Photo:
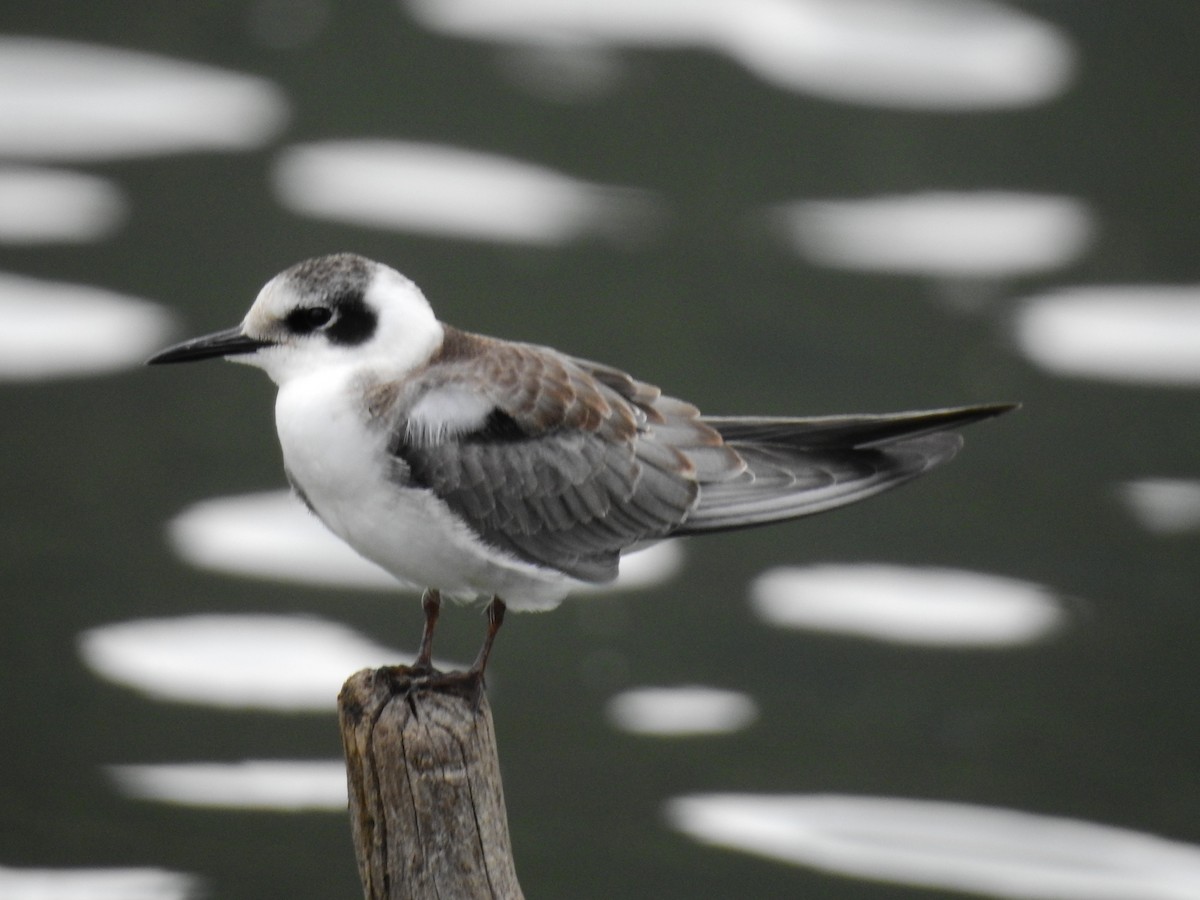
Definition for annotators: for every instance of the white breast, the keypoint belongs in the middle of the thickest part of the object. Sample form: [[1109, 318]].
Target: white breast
[[339, 459]]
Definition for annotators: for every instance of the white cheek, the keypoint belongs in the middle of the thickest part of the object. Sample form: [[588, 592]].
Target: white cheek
[[407, 330], [285, 362]]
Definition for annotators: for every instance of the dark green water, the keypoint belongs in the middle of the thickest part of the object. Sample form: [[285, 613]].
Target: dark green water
[[700, 294]]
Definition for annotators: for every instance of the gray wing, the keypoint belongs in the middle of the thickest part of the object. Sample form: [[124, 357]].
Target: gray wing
[[797, 467], [569, 464], [566, 463]]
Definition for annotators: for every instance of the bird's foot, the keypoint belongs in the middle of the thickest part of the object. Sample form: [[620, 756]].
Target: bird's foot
[[431, 604], [421, 675]]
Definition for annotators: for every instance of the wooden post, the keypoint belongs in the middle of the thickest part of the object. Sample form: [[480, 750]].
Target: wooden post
[[426, 801]]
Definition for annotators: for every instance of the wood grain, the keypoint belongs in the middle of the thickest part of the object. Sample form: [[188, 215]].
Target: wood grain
[[426, 800]]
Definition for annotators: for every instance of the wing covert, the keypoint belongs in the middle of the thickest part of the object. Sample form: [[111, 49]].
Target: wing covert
[[571, 462]]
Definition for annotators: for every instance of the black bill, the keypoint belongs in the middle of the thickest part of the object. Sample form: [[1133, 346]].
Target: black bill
[[231, 342]]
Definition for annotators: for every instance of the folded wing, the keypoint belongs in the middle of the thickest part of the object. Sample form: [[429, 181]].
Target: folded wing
[[566, 463]]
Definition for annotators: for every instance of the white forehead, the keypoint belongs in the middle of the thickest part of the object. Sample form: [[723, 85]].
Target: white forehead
[[272, 303]]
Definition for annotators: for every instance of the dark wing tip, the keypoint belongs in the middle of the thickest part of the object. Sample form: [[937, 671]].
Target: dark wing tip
[[863, 431], [956, 416], [906, 426]]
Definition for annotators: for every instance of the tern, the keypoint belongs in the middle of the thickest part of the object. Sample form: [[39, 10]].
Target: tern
[[472, 466]]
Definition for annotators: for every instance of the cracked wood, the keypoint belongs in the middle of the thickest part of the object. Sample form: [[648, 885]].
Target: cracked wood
[[426, 800]]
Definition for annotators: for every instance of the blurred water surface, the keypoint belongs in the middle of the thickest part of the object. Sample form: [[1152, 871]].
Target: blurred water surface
[[982, 684]]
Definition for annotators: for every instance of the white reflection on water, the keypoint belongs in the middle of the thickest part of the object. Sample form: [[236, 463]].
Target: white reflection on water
[[271, 535], [1163, 505], [949, 846], [563, 73], [437, 189], [926, 54], [44, 205], [978, 233], [926, 606], [279, 663], [96, 884], [1140, 334], [65, 100], [280, 785], [646, 568], [681, 711], [52, 329]]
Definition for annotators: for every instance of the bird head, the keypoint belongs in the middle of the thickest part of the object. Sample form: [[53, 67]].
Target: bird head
[[325, 312]]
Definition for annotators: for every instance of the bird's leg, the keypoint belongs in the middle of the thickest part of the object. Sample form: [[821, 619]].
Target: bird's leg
[[495, 617], [431, 604]]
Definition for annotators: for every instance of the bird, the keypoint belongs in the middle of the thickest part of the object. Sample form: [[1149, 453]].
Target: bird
[[481, 468]]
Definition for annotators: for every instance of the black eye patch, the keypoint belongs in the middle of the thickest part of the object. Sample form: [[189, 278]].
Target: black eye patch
[[307, 319], [355, 322]]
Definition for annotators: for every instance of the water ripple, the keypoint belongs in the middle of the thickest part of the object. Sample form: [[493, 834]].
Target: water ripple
[[443, 190], [277, 785], [96, 884], [681, 711], [925, 606], [52, 329], [278, 663], [45, 205], [1163, 505], [922, 54], [61, 100], [1139, 334], [942, 233], [946, 846]]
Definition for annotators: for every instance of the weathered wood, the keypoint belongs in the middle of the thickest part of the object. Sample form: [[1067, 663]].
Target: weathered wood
[[426, 800]]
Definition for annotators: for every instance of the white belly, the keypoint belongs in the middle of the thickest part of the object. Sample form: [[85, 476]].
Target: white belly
[[339, 461]]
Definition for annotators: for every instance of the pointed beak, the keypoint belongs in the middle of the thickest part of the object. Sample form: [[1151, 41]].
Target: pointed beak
[[231, 342]]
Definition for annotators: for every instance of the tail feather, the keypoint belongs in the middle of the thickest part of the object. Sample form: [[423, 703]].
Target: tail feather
[[850, 431], [797, 467]]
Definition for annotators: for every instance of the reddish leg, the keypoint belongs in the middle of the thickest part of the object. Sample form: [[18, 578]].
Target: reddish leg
[[431, 603], [495, 617]]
